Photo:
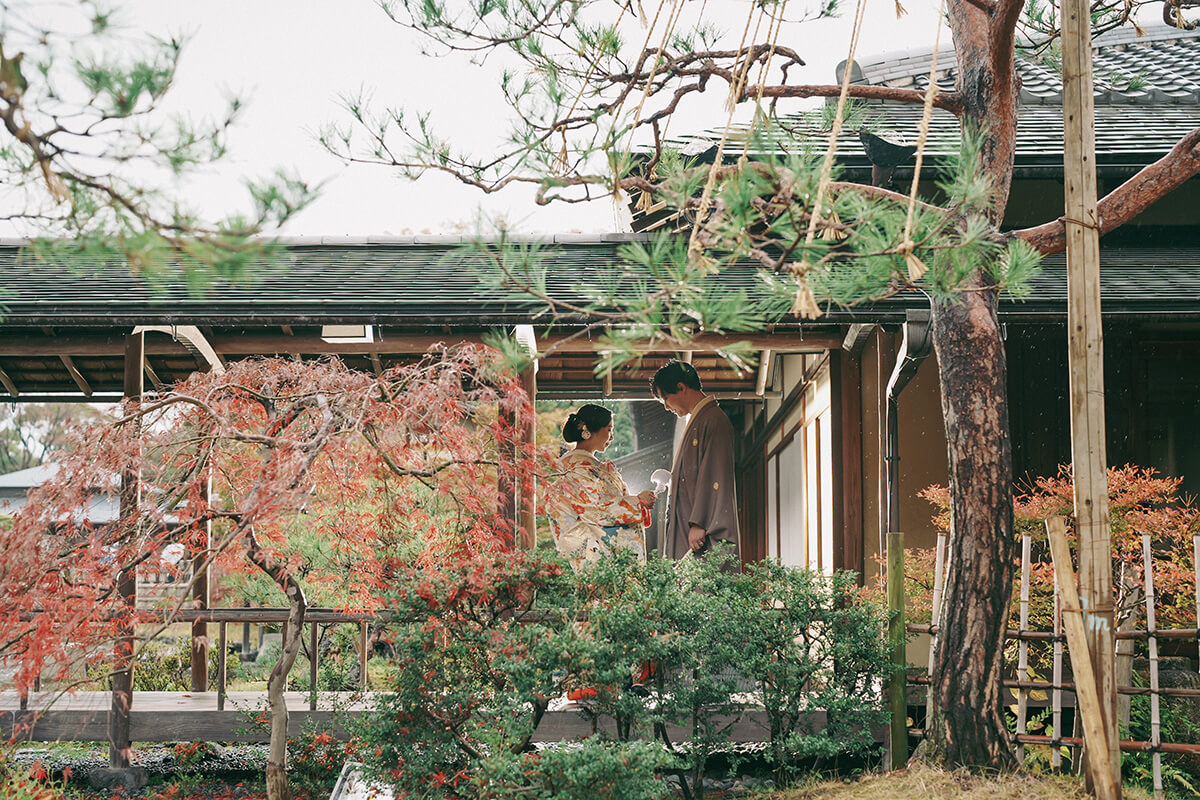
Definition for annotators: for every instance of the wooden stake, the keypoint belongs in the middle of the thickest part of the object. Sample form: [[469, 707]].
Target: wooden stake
[[1151, 627], [1057, 679], [1022, 645], [935, 611], [1095, 732], [1086, 363], [897, 696]]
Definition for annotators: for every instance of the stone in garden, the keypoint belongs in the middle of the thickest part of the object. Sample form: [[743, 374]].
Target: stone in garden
[[130, 778]]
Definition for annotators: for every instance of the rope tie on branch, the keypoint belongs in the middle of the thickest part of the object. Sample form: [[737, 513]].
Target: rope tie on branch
[[672, 20], [773, 31], [695, 253], [805, 304], [916, 267]]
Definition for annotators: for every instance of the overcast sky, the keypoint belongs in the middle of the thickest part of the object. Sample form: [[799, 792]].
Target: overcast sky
[[291, 59]]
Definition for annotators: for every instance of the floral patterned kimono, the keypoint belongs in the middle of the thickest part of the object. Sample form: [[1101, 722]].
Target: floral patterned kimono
[[592, 511]]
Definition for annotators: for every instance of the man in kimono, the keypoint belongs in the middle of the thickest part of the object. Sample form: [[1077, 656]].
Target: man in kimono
[[703, 504]]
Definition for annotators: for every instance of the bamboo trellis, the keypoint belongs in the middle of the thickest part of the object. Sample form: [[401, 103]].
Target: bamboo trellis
[[1023, 685]]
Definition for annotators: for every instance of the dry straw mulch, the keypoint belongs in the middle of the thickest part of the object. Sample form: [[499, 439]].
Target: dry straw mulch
[[921, 782]]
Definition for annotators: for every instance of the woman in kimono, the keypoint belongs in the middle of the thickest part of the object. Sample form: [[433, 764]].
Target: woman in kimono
[[590, 505]]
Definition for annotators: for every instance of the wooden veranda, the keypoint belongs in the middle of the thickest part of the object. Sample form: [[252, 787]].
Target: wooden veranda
[[95, 333]]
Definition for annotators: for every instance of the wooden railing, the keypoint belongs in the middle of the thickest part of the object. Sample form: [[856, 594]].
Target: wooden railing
[[313, 617]]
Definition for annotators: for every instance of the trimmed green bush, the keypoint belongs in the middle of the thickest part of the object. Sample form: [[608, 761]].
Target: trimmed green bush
[[494, 638]]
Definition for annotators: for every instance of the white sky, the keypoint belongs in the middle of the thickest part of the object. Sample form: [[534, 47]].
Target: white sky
[[291, 59]]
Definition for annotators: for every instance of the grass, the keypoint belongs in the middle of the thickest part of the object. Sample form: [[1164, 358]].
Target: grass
[[921, 782]]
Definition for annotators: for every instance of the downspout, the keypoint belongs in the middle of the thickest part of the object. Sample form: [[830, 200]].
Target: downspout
[[916, 345], [914, 348]]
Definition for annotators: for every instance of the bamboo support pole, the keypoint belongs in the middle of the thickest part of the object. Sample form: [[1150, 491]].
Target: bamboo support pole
[[1155, 719], [1196, 569], [1104, 785], [1056, 677], [939, 566], [1023, 644], [897, 689]]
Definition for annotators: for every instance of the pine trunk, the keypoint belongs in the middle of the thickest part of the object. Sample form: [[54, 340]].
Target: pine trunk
[[967, 726]]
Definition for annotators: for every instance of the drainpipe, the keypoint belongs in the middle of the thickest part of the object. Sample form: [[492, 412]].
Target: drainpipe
[[917, 344], [915, 347]]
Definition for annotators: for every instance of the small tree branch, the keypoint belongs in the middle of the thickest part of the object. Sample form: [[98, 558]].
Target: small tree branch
[[1129, 199]]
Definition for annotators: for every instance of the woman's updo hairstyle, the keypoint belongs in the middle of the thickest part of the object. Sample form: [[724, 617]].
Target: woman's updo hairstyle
[[586, 421]]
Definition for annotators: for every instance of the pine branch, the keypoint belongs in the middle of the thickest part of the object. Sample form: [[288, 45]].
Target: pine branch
[[1129, 199]]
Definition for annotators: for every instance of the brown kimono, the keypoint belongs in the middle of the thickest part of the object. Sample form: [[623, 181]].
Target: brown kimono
[[702, 491]]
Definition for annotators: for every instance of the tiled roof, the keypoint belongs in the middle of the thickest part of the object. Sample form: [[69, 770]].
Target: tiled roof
[[1160, 68], [1124, 137], [309, 284], [1147, 99], [442, 284]]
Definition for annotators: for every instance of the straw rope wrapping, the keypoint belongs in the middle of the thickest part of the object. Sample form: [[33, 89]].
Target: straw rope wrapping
[[672, 21], [694, 247], [773, 39], [805, 304], [916, 268]]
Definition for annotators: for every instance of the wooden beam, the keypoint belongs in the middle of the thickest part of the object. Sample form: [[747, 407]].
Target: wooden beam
[[153, 376], [856, 339], [251, 344], [1085, 359], [9, 386], [76, 375], [195, 340]]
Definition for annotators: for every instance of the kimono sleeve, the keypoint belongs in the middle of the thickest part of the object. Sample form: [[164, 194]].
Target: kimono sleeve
[[714, 507], [621, 508]]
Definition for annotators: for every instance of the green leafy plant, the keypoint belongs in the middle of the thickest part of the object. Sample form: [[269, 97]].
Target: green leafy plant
[[316, 758], [495, 637], [189, 755]]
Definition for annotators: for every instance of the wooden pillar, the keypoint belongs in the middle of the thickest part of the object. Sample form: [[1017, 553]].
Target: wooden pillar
[[527, 490], [507, 475], [122, 680], [200, 597], [845, 374], [1086, 366]]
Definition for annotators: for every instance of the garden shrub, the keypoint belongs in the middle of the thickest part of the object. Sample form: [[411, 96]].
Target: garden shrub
[[472, 681], [316, 758], [166, 666], [190, 755], [18, 782], [808, 642], [1179, 780]]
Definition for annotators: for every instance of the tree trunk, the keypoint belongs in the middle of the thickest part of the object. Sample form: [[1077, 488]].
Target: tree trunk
[[967, 719], [277, 781], [967, 724]]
